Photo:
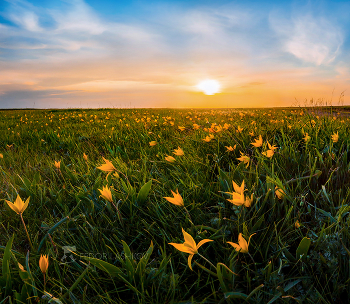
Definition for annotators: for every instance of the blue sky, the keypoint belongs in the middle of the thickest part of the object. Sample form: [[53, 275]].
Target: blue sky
[[153, 53]]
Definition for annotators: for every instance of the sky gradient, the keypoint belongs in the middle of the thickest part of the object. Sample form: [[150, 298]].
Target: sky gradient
[[75, 53]]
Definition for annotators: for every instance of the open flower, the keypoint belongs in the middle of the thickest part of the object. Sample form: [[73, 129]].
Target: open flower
[[189, 246], [106, 194], [335, 137], [230, 149], [107, 166], [178, 151], [258, 142], [57, 164], [44, 263], [238, 198], [273, 147], [181, 128], [18, 206], [307, 137], [170, 159], [176, 199], [242, 245], [244, 158], [268, 153]]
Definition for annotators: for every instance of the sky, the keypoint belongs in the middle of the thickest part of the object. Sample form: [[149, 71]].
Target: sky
[[116, 54]]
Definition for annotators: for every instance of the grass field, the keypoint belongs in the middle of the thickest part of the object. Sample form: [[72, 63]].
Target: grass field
[[97, 182]]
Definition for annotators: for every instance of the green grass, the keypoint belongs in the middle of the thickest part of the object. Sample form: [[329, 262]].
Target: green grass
[[122, 247]]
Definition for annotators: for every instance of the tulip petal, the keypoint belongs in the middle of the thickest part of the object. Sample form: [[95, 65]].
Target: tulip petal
[[242, 243], [182, 248], [189, 239], [25, 204], [12, 206], [203, 242], [189, 261], [235, 246]]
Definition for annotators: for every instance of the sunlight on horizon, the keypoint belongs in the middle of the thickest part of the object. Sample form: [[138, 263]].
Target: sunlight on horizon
[[209, 86]]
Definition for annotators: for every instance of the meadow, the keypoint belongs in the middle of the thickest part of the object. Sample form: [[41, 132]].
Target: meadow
[[174, 206]]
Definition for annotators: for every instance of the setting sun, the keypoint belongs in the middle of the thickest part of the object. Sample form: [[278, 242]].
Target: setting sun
[[209, 86]]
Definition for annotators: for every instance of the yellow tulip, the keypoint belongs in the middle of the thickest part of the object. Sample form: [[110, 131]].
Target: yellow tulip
[[230, 149], [44, 263], [170, 159], [189, 246], [244, 158], [279, 193], [57, 164], [238, 198], [258, 142], [207, 139], [307, 137], [178, 151], [182, 128], [268, 153], [1, 156], [239, 129], [85, 157], [106, 194], [152, 143], [273, 148], [242, 245], [18, 206], [335, 137], [176, 199], [107, 166]]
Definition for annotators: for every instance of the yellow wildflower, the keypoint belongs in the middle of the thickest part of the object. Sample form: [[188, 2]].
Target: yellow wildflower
[[268, 153], [238, 198], [244, 158], [44, 263], [189, 246], [18, 206], [178, 151], [279, 193], [170, 158], [85, 157], [335, 137], [176, 199], [107, 166], [258, 142], [57, 164], [307, 137], [242, 245], [152, 143], [230, 149], [106, 194]]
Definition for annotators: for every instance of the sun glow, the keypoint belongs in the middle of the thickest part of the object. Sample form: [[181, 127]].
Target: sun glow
[[209, 86]]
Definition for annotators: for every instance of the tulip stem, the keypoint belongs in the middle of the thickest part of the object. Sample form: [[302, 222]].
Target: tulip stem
[[44, 281], [25, 228], [189, 217], [207, 260]]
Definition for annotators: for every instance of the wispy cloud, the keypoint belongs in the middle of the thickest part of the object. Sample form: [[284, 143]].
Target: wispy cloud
[[312, 39]]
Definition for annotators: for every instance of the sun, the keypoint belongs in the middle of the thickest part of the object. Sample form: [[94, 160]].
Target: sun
[[209, 86]]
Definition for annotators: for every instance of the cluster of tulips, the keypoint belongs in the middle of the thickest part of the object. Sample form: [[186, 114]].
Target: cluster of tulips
[[19, 207]]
